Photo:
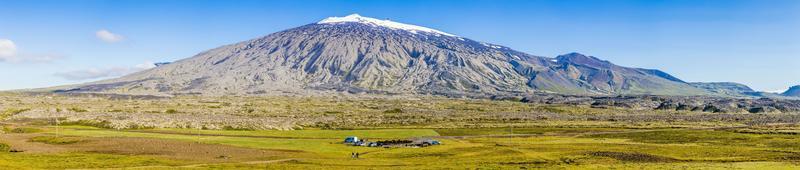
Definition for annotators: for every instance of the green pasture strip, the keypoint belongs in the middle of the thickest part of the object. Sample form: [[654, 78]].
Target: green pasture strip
[[310, 133], [556, 147], [691, 165], [322, 147], [511, 130], [711, 137], [686, 147]]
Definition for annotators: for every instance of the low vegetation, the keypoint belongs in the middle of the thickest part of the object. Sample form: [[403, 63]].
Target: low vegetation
[[307, 133], [466, 148], [353, 112], [4, 147], [25, 130], [56, 140], [11, 112]]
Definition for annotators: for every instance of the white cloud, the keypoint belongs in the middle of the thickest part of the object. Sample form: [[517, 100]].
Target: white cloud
[[144, 66], [776, 91], [108, 36], [8, 50], [8, 53], [95, 73], [38, 58]]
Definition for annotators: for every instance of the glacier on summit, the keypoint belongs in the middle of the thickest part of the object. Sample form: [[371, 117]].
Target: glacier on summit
[[384, 23]]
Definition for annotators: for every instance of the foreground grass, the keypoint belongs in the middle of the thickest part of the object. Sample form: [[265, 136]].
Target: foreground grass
[[789, 143], [78, 160], [323, 143], [577, 148], [476, 134]]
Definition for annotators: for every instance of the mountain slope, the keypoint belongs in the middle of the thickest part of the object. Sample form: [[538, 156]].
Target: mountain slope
[[726, 88], [793, 91], [358, 54]]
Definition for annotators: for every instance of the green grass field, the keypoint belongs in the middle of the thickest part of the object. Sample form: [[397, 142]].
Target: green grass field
[[475, 134], [492, 148]]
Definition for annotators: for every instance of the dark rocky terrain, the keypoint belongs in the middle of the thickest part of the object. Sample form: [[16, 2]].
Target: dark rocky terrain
[[708, 104]]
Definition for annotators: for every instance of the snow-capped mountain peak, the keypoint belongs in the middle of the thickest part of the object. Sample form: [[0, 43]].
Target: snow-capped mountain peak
[[384, 23]]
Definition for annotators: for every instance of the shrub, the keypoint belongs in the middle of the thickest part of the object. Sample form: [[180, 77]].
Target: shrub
[[395, 110], [25, 130], [75, 109], [11, 112], [333, 112], [237, 128], [171, 111], [14, 111], [92, 123], [56, 140], [4, 148]]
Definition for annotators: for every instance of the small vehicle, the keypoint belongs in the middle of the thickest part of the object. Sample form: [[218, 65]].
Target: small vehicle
[[373, 144], [435, 142], [351, 139], [359, 143]]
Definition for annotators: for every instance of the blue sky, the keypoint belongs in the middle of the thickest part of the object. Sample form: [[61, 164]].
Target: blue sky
[[757, 42]]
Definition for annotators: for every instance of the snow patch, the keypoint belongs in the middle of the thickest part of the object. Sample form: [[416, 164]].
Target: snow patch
[[776, 91], [491, 45], [383, 23]]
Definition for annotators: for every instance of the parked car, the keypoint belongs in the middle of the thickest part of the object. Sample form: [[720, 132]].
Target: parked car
[[359, 143], [435, 142], [374, 144], [351, 139], [423, 142]]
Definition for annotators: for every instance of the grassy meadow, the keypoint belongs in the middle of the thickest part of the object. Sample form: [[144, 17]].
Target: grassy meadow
[[475, 134]]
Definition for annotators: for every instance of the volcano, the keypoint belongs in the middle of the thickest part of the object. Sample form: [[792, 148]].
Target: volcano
[[356, 54]]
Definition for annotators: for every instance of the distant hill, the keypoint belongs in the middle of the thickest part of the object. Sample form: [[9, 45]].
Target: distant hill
[[356, 54], [726, 88], [793, 91]]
